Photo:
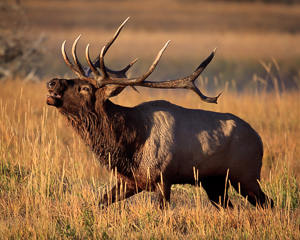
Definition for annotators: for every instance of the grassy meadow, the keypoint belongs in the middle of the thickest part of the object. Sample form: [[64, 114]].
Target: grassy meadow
[[50, 182]]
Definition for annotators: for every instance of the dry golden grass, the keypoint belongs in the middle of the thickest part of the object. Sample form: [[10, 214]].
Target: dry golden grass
[[50, 183]]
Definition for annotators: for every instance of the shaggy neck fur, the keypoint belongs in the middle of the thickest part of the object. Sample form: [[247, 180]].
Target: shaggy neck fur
[[112, 132]]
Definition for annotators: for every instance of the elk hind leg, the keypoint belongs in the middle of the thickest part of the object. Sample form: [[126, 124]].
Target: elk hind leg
[[216, 188], [254, 194]]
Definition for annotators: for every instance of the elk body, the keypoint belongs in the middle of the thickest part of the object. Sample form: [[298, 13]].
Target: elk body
[[157, 144]]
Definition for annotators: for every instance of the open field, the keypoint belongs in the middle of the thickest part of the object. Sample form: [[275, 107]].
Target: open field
[[50, 183]]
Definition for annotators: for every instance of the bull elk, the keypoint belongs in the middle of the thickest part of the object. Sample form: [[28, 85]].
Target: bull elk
[[158, 140]]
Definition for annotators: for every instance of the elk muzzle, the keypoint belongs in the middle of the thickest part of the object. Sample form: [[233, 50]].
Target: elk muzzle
[[54, 98]]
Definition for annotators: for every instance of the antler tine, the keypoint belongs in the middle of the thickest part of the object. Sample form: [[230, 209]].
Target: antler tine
[[88, 59], [102, 65], [153, 65], [189, 81], [76, 61], [96, 63], [124, 70], [67, 61], [205, 98], [73, 68], [106, 47], [204, 64], [196, 74]]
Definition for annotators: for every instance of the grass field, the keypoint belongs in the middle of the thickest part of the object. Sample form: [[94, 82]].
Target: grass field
[[50, 183]]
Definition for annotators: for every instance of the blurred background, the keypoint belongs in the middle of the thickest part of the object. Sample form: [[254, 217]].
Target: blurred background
[[257, 41]]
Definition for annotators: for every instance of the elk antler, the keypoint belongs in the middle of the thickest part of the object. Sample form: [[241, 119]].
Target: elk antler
[[102, 78], [79, 70]]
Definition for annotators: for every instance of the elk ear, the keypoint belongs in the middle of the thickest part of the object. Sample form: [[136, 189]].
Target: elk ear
[[112, 90]]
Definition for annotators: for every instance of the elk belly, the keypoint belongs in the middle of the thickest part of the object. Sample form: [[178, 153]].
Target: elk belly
[[214, 149], [205, 150]]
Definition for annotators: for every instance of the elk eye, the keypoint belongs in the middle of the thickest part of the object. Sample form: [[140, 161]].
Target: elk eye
[[87, 89], [52, 84]]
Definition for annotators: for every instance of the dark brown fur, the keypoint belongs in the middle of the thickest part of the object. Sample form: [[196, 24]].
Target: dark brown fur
[[157, 144], [122, 135]]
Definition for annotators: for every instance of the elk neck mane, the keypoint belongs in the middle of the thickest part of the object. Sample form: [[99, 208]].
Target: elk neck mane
[[113, 132]]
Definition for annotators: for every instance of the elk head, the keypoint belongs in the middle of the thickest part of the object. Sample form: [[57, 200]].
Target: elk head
[[98, 83]]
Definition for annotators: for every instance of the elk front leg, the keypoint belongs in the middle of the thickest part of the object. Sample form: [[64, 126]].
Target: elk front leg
[[117, 193]]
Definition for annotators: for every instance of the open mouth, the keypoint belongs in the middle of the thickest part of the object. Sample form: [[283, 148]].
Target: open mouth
[[53, 99]]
